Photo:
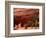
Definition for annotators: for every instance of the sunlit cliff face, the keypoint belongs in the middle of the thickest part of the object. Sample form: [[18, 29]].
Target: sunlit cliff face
[[24, 11], [23, 15]]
